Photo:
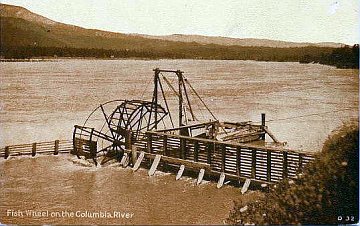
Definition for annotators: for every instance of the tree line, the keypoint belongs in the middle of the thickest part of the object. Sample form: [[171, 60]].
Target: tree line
[[345, 57]]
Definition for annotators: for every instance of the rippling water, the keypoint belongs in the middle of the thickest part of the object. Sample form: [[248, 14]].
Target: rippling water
[[41, 101], [60, 183]]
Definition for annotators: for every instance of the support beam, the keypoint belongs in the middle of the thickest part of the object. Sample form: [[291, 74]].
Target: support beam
[[271, 135]]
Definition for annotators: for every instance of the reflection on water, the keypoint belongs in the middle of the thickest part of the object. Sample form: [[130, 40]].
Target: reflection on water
[[56, 183]]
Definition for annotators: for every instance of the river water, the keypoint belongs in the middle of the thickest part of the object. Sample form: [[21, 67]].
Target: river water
[[41, 101]]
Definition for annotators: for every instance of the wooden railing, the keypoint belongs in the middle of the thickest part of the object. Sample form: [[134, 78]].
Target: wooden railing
[[53, 147], [266, 164]]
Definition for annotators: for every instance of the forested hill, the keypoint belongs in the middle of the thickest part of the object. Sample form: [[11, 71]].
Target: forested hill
[[26, 35]]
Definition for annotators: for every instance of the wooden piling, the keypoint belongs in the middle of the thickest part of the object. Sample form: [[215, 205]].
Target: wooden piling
[[7, 152], [56, 147], [33, 150]]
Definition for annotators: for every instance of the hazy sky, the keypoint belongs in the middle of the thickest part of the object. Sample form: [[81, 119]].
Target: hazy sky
[[288, 20]]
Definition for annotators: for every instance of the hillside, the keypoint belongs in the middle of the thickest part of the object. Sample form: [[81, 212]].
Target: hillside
[[73, 36], [240, 42], [26, 35]]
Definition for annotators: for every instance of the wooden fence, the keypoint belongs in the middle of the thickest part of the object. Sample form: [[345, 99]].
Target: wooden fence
[[52, 147], [263, 164]]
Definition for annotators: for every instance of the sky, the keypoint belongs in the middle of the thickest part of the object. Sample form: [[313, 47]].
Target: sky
[[287, 20]]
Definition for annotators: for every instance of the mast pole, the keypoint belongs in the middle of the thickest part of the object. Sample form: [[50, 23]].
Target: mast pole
[[180, 81], [155, 95]]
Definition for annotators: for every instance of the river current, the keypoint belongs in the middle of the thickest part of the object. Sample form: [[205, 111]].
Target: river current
[[41, 101]]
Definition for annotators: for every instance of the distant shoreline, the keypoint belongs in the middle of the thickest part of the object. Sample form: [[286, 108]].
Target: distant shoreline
[[52, 59]]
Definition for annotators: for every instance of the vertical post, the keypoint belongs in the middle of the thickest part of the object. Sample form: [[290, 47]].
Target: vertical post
[[223, 156], [209, 147], [165, 145], [128, 139], [180, 81], [263, 125], [133, 155], [91, 133], [182, 148], [238, 161], [196, 151], [149, 146], [253, 164], [301, 156], [93, 149], [268, 163], [33, 151], [7, 152], [156, 78], [149, 143], [56, 147], [285, 165]]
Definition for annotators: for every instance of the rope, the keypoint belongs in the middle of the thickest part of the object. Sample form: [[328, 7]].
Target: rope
[[207, 108], [201, 100], [307, 115], [146, 87]]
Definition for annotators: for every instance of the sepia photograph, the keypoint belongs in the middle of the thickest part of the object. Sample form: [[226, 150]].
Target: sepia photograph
[[178, 112]]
